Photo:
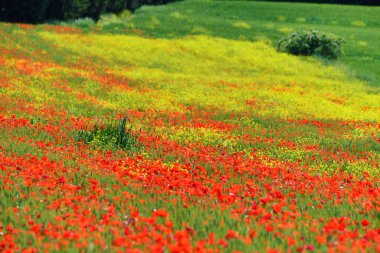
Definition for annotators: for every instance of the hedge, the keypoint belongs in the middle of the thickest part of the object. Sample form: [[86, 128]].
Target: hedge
[[37, 11]]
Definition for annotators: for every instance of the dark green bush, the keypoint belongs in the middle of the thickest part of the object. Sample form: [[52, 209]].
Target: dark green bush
[[110, 134], [37, 11], [23, 11], [311, 43], [67, 9]]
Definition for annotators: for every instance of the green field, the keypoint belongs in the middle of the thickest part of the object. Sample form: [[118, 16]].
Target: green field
[[252, 21], [181, 128]]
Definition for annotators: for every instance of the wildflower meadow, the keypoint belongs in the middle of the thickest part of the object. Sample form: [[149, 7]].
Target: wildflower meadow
[[132, 141]]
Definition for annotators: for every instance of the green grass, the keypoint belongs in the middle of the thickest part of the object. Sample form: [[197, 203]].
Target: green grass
[[251, 20], [109, 135]]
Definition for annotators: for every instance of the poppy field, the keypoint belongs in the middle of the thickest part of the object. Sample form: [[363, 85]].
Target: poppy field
[[128, 143]]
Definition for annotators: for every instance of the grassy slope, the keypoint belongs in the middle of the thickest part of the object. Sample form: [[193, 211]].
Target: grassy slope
[[192, 70], [206, 110], [251, 20]]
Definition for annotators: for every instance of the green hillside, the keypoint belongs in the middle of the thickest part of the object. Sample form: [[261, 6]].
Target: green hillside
[[252, 20]]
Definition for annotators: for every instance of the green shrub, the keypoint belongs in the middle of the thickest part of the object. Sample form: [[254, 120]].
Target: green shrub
[[67, 9], [109, 135], [311, 43], [23, 11], [37, 11]]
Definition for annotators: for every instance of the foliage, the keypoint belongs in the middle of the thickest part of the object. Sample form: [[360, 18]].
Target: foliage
[[111, 135], [23, 10], [36, 11], [311, 43]]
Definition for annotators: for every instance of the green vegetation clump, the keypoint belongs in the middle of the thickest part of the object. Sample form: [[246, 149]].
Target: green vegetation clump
[[111, 135], [311, 43], [37, 11]]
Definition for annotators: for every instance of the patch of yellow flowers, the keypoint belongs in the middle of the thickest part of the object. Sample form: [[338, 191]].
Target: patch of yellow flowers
[[197, 70]]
